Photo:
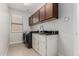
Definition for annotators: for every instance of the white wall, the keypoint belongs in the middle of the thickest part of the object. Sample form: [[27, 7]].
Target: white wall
[[4, 29], [17, 37], [65, 26]]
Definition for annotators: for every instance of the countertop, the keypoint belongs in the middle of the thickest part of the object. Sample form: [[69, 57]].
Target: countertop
[[46, 32]]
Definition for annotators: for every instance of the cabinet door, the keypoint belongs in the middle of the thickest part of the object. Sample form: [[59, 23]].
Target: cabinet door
[[36, 17], [42, 45], [52, 45], [51, 10], [31, 20], [42, 13], [35, 42]]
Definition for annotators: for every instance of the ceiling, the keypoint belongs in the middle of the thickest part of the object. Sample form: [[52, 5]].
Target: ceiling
[[27, 8]]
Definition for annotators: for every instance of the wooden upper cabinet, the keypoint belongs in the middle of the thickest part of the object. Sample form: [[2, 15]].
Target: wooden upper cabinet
[[51, 10], [36, 17], [31, 20], [46, 12], [42, 13]]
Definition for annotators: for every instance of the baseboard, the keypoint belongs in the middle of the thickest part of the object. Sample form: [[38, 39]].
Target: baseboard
[[59, 54], [76, 54], [15, 42]]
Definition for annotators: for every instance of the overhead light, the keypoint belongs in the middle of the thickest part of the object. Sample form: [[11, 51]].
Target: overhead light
[[26, 4]]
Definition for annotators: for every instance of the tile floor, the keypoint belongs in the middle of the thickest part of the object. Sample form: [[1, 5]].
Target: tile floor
[[21, 50]]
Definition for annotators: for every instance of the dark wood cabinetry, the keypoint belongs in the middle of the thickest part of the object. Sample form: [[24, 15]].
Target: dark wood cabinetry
[[36, 17], [51, 11], [42, 13], [46, 12], [55, 10]]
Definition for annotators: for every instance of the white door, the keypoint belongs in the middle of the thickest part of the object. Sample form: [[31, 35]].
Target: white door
[[76, 33], [35, 42], [52, 45], [42, 45], [76, 41]]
